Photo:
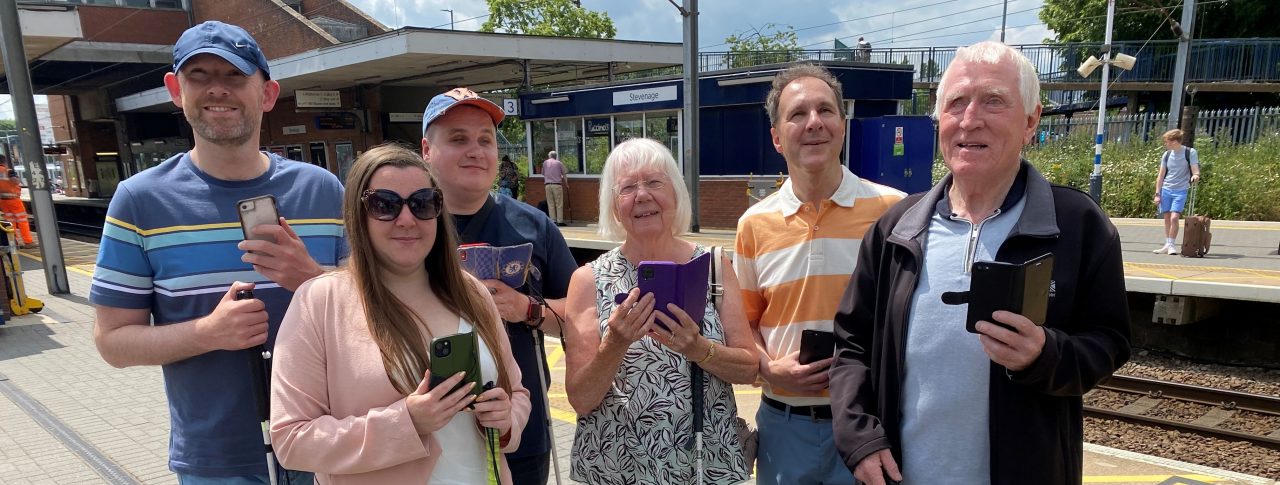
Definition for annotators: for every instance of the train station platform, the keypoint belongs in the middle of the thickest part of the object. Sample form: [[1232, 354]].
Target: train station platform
[[68, 417]]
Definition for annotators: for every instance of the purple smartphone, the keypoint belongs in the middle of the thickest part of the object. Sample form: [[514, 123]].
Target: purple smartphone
[[682, 284]]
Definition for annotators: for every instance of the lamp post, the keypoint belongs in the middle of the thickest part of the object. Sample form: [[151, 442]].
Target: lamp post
[[1122, 61], [689, 140], [450, 16]]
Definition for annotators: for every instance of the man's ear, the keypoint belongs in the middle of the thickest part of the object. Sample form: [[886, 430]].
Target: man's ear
[[777, 143], [175, 89], [426, 149], [270, 93], [1033, 124]]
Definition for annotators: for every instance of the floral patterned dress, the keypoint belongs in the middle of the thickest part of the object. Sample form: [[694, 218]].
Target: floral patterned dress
[[642, 432]]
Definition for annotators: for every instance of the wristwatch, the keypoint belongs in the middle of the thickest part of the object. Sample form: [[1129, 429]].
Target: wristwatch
[[533, 317]]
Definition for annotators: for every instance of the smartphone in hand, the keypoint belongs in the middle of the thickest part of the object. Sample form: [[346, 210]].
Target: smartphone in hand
[[256, 212], [452, 354], [816, 345]]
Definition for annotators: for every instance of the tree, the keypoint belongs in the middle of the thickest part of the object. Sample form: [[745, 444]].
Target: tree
[[558, 18], [756, 47], [1137, 20], [8, 125]]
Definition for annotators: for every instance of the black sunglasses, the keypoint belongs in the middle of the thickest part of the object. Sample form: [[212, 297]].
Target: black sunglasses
[[385, 205]]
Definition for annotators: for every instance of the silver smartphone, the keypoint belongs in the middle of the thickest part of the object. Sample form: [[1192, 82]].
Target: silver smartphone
[[256, 212]]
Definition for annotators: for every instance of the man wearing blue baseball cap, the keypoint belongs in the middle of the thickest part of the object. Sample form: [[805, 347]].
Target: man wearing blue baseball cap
[[460, 142], [174, 253]]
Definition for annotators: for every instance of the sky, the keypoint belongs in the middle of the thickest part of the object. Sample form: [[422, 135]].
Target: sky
[[893, 23]]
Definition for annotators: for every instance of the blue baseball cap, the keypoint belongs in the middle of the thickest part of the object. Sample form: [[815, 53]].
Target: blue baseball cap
[[443, 102], [227, 41]]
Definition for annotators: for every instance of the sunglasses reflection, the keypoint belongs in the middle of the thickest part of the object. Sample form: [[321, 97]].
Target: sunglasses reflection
[[385, 205]]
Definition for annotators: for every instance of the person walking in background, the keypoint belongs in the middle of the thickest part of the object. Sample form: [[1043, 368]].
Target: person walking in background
[[1179, 170], [629, 366], [794, 253], [919, 399], [459, 143], [351, 397], [173, 252], [11, 204], [508, 178], [556, 182], [864, 50]]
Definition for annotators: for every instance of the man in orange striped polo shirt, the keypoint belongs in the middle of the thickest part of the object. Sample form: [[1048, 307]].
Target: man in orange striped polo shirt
[[794, 254]]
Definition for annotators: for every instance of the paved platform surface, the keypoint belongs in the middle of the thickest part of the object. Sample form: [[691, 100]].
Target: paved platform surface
[[68, 417]]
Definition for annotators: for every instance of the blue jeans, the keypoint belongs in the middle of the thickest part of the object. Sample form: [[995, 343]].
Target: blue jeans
[[290, 477], [797, 450]]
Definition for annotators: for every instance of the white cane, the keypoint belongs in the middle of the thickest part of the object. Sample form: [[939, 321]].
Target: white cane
[[546, 400]]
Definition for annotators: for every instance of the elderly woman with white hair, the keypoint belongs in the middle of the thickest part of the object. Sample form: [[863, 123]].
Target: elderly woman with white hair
[[629, 366]]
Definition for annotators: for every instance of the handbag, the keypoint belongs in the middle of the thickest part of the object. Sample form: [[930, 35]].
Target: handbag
[[748, 436]]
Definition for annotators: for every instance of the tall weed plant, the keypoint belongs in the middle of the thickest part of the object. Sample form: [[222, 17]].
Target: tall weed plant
[[1238, 182]]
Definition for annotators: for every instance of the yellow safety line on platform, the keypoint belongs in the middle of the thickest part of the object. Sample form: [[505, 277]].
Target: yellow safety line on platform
[[1136, 267], [75, 268], [1147, 478]]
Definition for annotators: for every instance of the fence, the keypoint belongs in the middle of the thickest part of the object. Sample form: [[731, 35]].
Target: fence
[[1210, 59], [1226, 126]]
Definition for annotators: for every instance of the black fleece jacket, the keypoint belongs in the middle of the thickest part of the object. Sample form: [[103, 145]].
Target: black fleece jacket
[[1036, 414]]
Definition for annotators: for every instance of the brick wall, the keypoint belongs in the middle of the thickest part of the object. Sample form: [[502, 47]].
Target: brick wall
[[136, 25], [279, 30], [285, 114], [720, 201]]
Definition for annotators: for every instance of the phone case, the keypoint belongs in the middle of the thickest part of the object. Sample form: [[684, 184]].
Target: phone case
[[683, 284], [816, 345], [255, 212], [510, 264], [1018, 288], [452, 354]]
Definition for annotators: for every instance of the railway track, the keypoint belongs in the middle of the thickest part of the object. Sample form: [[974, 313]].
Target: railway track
[[1221, 407]]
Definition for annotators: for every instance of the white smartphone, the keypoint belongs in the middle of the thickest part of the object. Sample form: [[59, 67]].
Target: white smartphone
[[256, 212]]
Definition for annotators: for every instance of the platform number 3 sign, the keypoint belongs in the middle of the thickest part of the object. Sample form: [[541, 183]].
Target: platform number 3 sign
[[511, 107]]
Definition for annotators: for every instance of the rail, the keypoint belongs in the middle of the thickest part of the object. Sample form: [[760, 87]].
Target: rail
[[1223, 406]]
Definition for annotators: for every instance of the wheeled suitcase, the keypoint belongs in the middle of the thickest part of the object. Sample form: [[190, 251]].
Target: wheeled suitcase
[[1196, 236]]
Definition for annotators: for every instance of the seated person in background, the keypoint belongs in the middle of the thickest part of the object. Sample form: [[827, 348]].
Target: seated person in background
[[350, 398], [628, 378]]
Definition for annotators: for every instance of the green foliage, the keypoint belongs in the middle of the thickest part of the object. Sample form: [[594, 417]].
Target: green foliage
[[758, 47], [1238, 182], [557, 18], [1085, 20], [8, 125]]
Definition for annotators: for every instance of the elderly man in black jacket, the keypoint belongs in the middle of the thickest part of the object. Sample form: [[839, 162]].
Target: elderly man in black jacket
[[915, 396]]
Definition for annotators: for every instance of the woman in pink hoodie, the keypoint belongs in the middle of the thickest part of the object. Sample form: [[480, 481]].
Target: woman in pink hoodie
[[350, 393]]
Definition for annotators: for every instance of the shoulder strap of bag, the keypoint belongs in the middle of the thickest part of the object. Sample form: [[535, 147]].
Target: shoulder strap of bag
[[1165, 157], [714, 276], [1186, 153]]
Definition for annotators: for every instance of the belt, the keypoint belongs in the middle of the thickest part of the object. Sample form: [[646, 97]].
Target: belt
[[551, 183], [813, 412]]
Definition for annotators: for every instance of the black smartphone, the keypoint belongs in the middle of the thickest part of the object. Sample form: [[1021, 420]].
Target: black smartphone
[[816, 345], [1018, 288], [452, 354]]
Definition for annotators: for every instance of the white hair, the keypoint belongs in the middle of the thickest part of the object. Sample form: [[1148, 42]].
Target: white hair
[[640, 154], [551, 154], [992, 52]]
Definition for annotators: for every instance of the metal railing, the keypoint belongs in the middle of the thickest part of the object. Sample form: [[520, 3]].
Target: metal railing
[[1225, 126], [1211, 60]]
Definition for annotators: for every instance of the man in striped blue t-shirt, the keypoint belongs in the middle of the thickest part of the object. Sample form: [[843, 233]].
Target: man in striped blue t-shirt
[[173, 252]]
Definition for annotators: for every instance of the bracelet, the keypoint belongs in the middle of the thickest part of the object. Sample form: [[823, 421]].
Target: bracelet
[[711, 352]]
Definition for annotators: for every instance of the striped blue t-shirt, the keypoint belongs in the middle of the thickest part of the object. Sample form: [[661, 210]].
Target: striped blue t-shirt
[[169, 245]]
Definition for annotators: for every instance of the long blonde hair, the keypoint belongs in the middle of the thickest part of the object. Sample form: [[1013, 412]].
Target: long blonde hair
[[398, 331]]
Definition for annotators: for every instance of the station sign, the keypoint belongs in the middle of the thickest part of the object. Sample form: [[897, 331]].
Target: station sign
[[647, 95], [317, 99], [404, 117], [510, 107], [597, 126], [295, 130]]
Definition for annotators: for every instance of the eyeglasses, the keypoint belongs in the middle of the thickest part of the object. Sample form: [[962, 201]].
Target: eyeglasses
[[649, 186], [385, 205]]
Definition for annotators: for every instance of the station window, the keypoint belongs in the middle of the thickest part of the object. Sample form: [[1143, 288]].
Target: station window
[[628, 126], [597, 143], [664, 127], [544, 140], [569, 143]]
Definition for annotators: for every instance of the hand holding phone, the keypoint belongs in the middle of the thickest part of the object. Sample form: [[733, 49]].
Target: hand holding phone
[[1018, 288], [452, 354]]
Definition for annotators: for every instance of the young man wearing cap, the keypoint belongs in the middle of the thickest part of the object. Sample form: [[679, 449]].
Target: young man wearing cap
[[173, 252], [460, 142]]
